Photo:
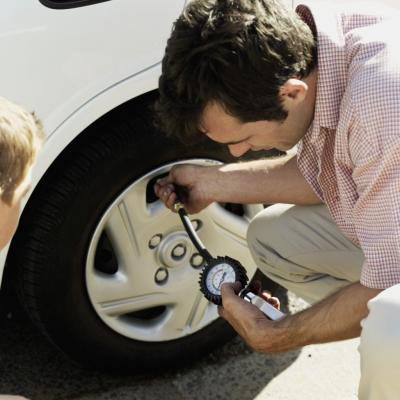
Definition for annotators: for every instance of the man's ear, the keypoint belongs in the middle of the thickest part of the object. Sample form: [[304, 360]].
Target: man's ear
[[293, 91]]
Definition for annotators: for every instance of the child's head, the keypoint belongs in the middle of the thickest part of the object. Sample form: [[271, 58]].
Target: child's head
[[21, 135]]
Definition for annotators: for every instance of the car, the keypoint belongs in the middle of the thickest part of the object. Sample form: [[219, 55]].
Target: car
[[103, 269]]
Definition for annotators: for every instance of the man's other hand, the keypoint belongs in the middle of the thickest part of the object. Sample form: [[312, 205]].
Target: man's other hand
[[247, 320]]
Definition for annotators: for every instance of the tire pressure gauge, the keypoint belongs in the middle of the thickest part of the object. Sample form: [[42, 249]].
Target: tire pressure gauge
[[219, 270]]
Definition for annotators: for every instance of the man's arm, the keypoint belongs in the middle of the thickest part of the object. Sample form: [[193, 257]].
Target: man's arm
[[335, 318], [265, 181]]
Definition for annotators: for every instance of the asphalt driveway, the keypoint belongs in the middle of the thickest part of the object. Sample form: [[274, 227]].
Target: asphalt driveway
[[30, 366]]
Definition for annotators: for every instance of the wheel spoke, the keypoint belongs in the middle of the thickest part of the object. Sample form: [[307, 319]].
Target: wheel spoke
[[222, 228], [113, 295], [226, 223], [140, 214], [135, 199], [224, 233], [132, 304], [122, 235], [188, 316], [107, 288], [131, 250], [148, 216], [200, 309]]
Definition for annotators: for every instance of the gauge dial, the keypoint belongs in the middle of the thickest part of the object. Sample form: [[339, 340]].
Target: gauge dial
[[218, 271], [219, 274]]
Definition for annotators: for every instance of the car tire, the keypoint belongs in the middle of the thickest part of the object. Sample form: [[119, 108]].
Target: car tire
[[50, 250]]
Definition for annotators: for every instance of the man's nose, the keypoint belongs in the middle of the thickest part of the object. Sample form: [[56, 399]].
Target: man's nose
[[238, 149]]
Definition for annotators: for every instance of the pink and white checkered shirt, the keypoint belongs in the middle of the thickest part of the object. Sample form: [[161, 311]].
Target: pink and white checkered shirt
[[351, 153]]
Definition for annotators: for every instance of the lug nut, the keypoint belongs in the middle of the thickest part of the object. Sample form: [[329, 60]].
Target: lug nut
[[155, 241], [196, 260], [179, 251], [161, 276]]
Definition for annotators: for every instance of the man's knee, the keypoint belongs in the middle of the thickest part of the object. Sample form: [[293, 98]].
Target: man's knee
[[380, 337], [265, 227], [264, 239]]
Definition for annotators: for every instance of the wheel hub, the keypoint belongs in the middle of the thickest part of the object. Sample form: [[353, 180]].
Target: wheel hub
[[175, 250]]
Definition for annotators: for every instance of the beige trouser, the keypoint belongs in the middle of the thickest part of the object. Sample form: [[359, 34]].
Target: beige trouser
[[302, 249]]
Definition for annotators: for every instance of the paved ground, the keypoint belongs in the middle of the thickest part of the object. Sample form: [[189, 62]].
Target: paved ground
[[31, 367]]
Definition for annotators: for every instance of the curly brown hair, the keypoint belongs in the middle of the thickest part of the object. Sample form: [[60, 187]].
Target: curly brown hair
[[237, 53]]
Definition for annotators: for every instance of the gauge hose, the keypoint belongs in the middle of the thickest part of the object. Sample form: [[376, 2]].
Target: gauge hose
[[180, 209]]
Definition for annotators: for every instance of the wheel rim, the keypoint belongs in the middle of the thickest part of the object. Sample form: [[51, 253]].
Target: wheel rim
[[142, 271]]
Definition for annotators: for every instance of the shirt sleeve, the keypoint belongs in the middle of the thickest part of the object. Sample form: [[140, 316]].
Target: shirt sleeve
[[376, 214], [375, 153]]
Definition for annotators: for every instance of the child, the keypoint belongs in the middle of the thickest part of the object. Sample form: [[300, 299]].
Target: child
[[21, 136]]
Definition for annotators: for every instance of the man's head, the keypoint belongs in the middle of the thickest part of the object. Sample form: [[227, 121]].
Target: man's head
[[235, 54], [21, 136]]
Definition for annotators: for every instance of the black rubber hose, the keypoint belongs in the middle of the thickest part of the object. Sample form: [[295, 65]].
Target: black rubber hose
[[193, 235]]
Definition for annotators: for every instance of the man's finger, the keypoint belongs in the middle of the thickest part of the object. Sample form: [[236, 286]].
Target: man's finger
[[265, 295], [233, 288], [160, 187], [255, 286], [274, 301], [227, 289], [229, 294], [171, 200]]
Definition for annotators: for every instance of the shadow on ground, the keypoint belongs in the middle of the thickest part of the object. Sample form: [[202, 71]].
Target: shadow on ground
[[32, 367]]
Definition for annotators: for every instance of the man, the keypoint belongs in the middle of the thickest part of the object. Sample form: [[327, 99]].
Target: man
[[253, 75]]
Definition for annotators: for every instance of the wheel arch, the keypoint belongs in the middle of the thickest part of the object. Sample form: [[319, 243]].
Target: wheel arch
[[91, 112]]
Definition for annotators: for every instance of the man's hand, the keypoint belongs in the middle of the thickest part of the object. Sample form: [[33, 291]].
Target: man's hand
[[195, 179], [247, 320], [335, 318]]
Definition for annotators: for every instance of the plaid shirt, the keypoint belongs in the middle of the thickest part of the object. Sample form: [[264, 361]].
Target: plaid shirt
[[351, 153]]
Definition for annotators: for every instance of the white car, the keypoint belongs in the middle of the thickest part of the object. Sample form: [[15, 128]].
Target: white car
[[100, 265]]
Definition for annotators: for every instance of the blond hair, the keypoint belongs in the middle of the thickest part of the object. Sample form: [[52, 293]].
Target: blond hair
[[21, 136]]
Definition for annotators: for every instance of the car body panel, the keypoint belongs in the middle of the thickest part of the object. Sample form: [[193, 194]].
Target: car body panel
[[60, 61]]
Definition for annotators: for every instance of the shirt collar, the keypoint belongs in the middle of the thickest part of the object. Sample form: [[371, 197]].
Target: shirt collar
[[331, 67]]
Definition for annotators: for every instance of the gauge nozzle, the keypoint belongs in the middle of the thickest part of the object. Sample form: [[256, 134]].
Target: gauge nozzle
[[178, 205], [270, 311]]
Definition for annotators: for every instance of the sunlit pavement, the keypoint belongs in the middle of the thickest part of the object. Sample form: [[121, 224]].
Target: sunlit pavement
[[328, 372], [29, 366]]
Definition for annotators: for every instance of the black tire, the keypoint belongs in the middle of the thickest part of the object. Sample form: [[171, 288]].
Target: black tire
[[50, 248]]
